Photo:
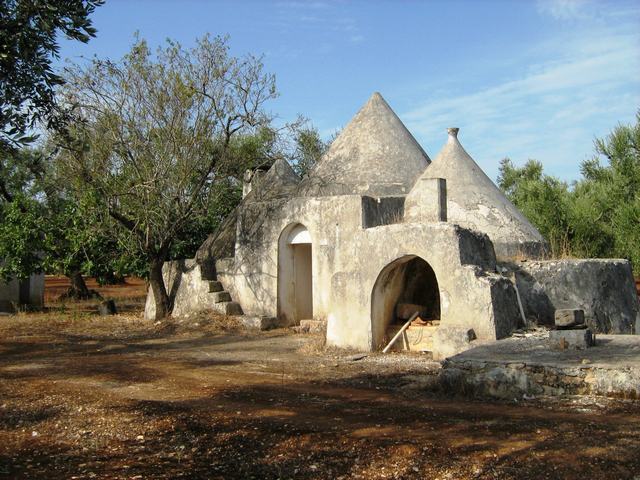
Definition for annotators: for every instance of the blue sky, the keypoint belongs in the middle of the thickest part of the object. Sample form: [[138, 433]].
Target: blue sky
[[523, 79]]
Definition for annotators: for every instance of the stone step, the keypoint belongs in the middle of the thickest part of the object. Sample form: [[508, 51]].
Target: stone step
[[219, 297], [215, 286], [312, 326], [228, 308], [260, 322]]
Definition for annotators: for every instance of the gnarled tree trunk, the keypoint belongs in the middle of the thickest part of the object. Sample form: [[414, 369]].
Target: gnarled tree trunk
[[78, 287], [163, 306]]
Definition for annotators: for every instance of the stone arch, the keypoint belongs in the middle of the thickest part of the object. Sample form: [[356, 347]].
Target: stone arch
[[295, 274], [407, 280]]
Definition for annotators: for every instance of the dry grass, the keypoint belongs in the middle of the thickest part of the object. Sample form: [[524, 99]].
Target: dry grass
[[132, 289], [204, 321], [72, 322], [317, 344]]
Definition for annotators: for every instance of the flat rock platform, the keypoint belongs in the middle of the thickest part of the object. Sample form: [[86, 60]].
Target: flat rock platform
[[528, 366]]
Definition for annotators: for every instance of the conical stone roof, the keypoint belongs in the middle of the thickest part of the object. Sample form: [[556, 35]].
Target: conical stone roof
[[374, 155], [475, 202]]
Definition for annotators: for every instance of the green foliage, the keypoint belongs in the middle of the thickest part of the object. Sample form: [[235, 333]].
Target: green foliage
[[78, 238], [19, 170], [541, 198], [157, 141], [28, 42], [156, 133], [309, 147], [611, 192], [199, 227], [21, 238], [44, 228], [600, 215], [21, 225]]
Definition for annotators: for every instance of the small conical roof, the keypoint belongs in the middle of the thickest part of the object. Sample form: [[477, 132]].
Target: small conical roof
[[374, 155], [277, 185], [475, 202]]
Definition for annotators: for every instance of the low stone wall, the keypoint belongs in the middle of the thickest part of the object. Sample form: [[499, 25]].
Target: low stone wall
[[515, 380], [10, 297], [517, 367], [603, 288], [186, 287]]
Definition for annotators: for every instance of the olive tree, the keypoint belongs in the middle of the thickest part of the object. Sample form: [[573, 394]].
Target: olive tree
[[29, 31], [152, 136]]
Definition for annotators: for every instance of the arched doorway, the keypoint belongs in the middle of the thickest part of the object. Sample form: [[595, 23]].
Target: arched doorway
[[295, 275], [403, 287]]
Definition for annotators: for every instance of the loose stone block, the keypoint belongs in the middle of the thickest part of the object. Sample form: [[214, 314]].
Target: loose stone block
[[571, 339], [427, 201], [108, 307], [569, 317]]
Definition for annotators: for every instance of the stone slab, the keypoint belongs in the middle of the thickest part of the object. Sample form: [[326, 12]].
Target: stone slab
[[259, 322], [514, 367], [571, 339], [610, 351]]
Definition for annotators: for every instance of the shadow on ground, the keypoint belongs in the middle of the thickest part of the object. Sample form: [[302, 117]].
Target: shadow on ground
[[253, 406]]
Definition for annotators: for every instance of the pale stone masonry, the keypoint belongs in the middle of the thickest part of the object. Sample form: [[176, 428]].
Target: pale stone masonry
[[374, 229], [17, 294]]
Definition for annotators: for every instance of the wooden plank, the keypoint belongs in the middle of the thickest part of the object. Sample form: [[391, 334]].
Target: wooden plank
[[397, 335]]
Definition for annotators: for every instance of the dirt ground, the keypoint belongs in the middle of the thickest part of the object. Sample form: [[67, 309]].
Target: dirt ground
[[84, 396], [132, 289]]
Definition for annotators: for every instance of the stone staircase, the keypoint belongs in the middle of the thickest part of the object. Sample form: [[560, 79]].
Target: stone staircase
[[223, 304], [221, 300]]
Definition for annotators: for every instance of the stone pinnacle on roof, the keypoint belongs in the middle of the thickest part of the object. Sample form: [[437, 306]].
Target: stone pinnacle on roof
[[374, 155], [475, 202]]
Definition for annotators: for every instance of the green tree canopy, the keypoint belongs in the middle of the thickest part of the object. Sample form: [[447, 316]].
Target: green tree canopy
[[541, 198], [599, 216], [28, 41], [154, 137]]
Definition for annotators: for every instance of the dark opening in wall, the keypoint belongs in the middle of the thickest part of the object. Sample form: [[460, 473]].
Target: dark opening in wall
[[420, 288], [405, 286]]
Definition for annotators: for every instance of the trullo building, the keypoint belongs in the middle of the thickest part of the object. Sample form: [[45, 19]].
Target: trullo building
[[378, 231]]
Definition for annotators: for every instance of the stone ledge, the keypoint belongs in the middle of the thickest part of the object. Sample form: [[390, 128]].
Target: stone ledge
[[259, 322], [511, 369], [509, 381]]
